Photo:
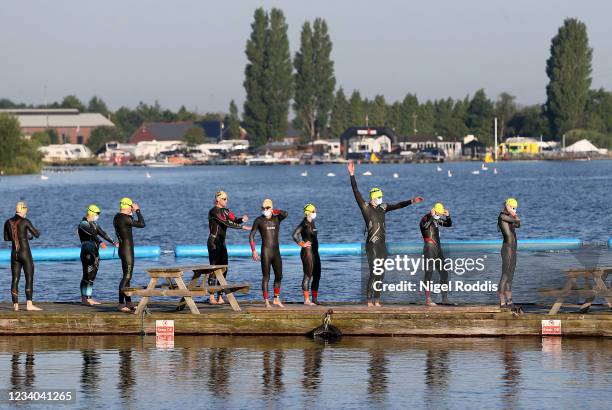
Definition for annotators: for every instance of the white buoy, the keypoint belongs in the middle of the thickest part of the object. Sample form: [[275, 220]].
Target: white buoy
[[482, 166], [148, 175], [367, 173], [331, 174], [438, 168], [396, 175], [495, 171], [304, 174], [476, 172], [450, 174], [44, 177]]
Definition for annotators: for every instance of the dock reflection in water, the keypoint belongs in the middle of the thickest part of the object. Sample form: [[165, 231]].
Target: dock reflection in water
[[238, 372]]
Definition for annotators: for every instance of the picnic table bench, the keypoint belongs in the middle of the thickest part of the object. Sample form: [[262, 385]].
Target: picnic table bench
[[595, 286], [175, 286]]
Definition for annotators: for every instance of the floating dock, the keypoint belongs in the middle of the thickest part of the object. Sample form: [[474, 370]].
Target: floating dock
[[297, 319]]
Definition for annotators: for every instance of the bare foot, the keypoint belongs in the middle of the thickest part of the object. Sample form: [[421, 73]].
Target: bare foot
[[277, 302], [220, 301], [212, 300], [370, 304], [430, 303], [267, 303], [94, 302], [130, 306], [15, 307], [124, 309], [307, 302], [377, 304], [30, 306]]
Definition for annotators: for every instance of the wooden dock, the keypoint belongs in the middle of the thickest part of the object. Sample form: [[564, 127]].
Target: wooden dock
[[297, 319]]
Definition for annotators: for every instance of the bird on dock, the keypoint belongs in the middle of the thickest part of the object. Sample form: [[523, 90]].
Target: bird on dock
[[331, 174], [438, 168], [304, 174], [450, 174]]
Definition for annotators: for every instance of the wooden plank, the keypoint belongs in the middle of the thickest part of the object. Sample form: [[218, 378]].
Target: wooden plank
[[230, 296], [569, 284], [165, 273], [143, 302], [188, 299]]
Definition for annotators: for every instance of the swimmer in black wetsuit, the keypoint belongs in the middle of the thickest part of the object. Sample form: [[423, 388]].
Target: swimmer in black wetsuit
[[219, 219], [89, 232], [19, 230], [268, 226], [432, 248], [507, 221], [374, 216], [123, 223], [305, 235]]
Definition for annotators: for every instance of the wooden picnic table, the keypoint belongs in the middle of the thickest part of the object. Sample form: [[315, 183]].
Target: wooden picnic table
[[594, 286], [175, 286]]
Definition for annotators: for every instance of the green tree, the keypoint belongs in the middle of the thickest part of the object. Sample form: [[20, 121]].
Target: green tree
[[183, 114], [232, 122], [479, 118], [278, 76], [569, 71], [314, 79], [377, 111], [17, 156], [339, 120], [101, 135], [529, 121], [356, 110], [505, 107], [98, 105], [408, 114], [394, 114], [255, 110], [41, 138], [425, 121], [195, 136], [71, 101], [598, 112]]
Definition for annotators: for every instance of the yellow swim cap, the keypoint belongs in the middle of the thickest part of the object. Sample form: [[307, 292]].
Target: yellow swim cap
[[439, 208], [21, 207], [308, 208], [376, 193], [267, 203], [93, 210], [512, 202], [125, 203]]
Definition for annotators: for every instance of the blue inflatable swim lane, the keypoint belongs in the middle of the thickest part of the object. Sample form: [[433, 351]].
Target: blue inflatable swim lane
[[355, 248], [71, 254]]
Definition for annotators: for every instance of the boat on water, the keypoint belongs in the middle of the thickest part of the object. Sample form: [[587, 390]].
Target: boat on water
[[271, 160], [162, 163]]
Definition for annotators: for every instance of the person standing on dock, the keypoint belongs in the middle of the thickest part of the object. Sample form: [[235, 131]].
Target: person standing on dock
[[123, 223], [90, 233], [432, 248], [374, 216], [219, 219], [268, 225], [305, 235], [19, 230], [507, 221]]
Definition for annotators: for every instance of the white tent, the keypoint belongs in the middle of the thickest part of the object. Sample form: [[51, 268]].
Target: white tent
[[583, 145]]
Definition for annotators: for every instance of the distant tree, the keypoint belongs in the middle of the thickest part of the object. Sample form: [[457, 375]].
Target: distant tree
[[127, 120], [409, 108], [479, 118], [569, 71], [5, 103], [393, 115], [232, 122], [17, 156], [598, 112], [339, 120], [425, 122], [314, 79], [98, 105], [195, 136], [356, 110], [185, 115], [377, 111], [529, 121], [505, 107], [101, 135], [41, 138], [71, 101]]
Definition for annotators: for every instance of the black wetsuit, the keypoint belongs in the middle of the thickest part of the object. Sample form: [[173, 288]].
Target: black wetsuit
[[123, 227], [432, 249], [270, 250], [219, 219], [376, 248], [90, 257], [311, 262], [506, 223], [19, 230]]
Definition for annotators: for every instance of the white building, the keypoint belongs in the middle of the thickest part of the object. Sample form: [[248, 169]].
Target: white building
[[370, 144], [151, 149], [451, 149], [331, 147], [65, 152]]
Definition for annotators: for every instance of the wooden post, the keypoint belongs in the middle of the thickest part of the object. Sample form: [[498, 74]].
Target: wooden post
[[145, 299]]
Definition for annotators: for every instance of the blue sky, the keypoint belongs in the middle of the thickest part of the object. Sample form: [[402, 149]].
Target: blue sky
[[192, 52]]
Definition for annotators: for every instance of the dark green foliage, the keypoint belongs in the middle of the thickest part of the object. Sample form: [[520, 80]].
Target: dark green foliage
[[17, 156], [71, 101], [101, 135], [98, 105], [195, 136], [232, 122], [340, 115]]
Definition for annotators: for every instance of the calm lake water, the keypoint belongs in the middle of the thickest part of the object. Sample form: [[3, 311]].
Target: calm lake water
[[293, 372], [556, 199]]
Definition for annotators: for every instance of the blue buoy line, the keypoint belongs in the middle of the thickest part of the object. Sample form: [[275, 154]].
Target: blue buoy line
[[69, 254]]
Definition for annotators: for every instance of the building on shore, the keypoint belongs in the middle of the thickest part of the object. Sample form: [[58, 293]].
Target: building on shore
[[431, 144], [65, 152], [360, 142], [71, 126], [519, 145], [326, 147], [161, 131]]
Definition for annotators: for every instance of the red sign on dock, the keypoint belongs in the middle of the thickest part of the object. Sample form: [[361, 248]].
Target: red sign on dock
[[551, 327], [164, 334]]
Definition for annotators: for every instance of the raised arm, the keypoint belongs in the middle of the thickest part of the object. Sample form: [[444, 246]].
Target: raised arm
[[281, 214], [360, 201], [138, 223], [399, 205], [510, 219], [35, 233], [447, 222], [227, 218]]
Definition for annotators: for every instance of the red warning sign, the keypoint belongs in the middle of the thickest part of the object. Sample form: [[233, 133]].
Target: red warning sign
[[164, 328], [551, 327]]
